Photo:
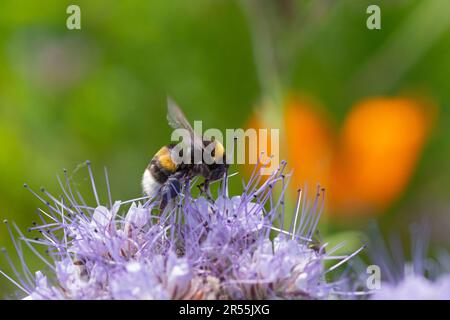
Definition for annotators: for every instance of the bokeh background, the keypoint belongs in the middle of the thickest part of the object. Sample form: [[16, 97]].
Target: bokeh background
[[365, 113]]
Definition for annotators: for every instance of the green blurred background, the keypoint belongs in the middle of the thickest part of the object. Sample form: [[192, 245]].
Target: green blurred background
[[99, 93]]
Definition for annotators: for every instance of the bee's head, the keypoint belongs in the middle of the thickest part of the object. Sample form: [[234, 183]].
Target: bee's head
[[219, 151], [219, 166]]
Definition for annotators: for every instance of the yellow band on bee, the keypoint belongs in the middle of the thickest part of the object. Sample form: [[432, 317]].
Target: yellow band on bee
[[165, 160]]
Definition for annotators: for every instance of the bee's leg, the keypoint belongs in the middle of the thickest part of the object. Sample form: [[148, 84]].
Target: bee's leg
[[162, 204], [170, 190], [200, 188], [204, 189], [206, 186]]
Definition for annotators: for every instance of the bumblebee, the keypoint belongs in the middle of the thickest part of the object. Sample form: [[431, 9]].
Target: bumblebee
[[164, 177]]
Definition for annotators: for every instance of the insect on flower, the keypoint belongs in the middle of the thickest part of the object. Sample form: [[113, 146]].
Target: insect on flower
[[164, 176], [238, 247]]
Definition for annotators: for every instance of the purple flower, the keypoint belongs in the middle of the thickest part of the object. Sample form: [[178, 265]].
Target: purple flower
[[197, 248], [71, 282], [413, 287], [163, 277], [282, 268], [422, 278]]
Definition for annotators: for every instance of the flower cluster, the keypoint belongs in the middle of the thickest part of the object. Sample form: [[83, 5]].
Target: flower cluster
[[203, 247], [422, 278]]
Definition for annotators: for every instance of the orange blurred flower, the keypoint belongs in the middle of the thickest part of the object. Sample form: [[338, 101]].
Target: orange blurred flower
[[263, 155], [309, 142], [379, 146], [368, 164]]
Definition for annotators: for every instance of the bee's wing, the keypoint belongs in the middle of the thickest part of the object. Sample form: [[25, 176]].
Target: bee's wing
[[176, 117], [177, 120]]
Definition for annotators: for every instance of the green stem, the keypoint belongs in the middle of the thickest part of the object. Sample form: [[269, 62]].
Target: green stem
[[264, 50]]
